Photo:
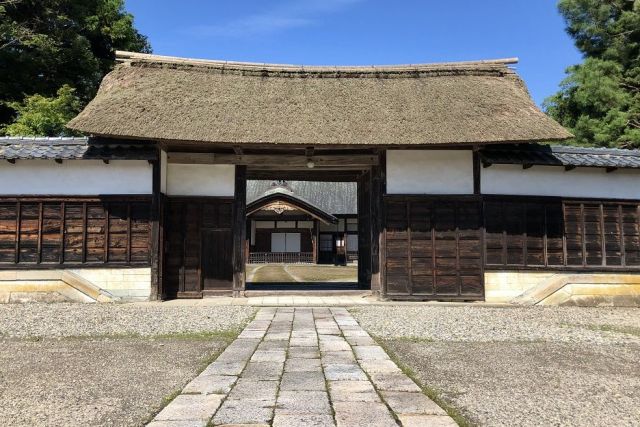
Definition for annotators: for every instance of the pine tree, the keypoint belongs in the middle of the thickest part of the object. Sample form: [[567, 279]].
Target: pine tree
[[599, 101]]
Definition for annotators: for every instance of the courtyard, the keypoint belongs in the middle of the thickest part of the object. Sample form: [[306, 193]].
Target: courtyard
[[120, 364]]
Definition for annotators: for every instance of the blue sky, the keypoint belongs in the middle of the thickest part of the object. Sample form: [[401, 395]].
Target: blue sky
[[364, 32]]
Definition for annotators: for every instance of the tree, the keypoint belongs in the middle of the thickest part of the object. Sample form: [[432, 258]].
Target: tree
[[47, 44], [38, 115], [600, 98]]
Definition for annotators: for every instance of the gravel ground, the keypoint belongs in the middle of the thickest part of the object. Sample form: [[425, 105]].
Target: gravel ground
[[538, 366], [72, 320], [103, 364], [95, 382]]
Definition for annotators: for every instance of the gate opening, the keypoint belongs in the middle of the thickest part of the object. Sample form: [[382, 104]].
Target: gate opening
[[301, 235]]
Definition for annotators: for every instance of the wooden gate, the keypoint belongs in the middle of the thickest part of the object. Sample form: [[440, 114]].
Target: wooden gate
[[198, 247], [433, 248]]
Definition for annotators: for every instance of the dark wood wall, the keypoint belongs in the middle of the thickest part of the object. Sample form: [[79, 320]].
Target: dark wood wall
[[433, 248], [562, 234], [80, 231], [439, 247], [198, 246]]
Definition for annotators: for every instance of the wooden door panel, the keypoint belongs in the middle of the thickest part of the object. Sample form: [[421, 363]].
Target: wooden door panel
[[198, 246], [217, 272], [434, 248]]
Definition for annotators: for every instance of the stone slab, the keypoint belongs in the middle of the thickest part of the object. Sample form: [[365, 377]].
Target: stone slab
[[302, 365], [427, 421], [394, 382], [302, 381], [363, 414], [190, 407], [300, 420], [344, 372], [210, 384], [352, 391], [309, 402], [411, 403]]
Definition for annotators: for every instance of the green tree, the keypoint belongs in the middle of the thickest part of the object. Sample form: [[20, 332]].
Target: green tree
[[47, 44], [39, 115], [600, 98]]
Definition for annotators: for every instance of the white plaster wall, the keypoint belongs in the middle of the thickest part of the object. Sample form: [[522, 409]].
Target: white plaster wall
[[76, 177], [429, 172], [200, 180], [555, 181]]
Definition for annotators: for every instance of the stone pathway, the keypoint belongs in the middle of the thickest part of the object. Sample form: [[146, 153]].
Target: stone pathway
[[310, 367]]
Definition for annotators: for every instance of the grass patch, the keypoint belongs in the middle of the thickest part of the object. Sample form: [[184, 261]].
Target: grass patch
[[430, 392], [228, 336], [628, 330]]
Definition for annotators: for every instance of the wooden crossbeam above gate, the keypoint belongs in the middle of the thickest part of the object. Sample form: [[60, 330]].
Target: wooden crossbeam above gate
[[280, 161]]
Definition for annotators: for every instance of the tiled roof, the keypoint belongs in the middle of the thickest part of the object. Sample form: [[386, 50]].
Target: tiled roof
[[337, 198], [547, 155], [22, 148]]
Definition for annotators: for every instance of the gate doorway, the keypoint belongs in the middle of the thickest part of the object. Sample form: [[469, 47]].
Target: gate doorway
[[302, 236], [207, 242]]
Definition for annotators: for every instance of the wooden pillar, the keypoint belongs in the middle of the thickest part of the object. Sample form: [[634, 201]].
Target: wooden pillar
[[378, 257], [239, 230], [315, 240], [364, 230], [476, 170], [156, 246]]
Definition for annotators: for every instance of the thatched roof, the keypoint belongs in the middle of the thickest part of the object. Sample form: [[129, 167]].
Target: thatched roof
[[164, 98]]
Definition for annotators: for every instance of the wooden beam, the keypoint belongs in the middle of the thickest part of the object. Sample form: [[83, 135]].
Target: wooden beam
[[308, 152], [238, 150], [239, 230], [157, 288], [282, 161]]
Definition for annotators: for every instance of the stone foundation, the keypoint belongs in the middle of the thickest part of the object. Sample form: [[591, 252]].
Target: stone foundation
[[563, 288], [75, 285]]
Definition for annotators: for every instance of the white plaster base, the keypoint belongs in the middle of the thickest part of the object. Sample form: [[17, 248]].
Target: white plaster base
[[129, 284], [563, 288], [77, 285]]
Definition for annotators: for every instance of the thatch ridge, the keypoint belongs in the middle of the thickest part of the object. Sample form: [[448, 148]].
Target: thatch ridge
[[491, 66], [232, 103]]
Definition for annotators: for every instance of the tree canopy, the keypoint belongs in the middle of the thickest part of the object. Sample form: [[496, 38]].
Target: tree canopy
[[53, 54], [599, 101]]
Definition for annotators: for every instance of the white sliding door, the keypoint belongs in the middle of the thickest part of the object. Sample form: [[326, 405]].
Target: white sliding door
[[285, 242]]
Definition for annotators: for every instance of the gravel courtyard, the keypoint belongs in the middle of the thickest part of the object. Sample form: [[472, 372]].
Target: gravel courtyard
[[561, 366], [103, 364]]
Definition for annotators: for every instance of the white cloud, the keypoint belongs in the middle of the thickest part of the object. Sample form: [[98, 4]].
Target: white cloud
[[292, 14]]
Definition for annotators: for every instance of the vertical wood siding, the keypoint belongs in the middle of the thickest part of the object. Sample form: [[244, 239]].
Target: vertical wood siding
[[439, 247], [567, 234], [198, 246], [433, 248], [47, 232]]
